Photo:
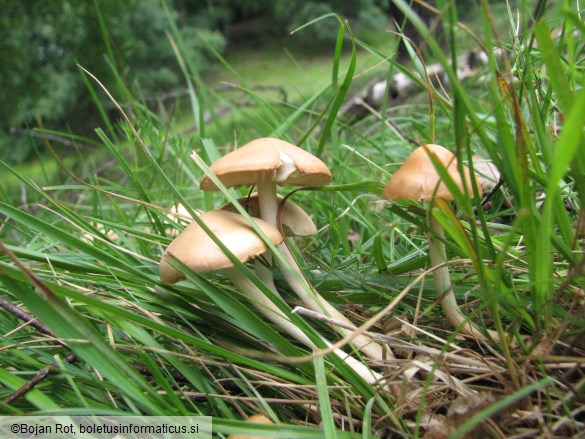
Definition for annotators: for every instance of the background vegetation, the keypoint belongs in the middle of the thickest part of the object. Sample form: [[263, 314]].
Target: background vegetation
[[80, 246], [45, 41]]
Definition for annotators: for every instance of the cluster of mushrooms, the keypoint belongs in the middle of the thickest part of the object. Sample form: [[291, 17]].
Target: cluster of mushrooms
[[266, 163]]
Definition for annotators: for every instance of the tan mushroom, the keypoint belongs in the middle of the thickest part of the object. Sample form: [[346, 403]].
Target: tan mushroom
[[487, 173], [197, 250], [194, 248], [265, 163], [417, 179], [258, 418], [177, 215], [200, 253]]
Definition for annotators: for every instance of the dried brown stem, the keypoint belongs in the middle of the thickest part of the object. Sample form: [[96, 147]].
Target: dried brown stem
[[26, 317], [40, 376]]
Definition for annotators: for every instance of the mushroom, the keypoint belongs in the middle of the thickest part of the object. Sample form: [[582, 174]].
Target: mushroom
[[258, 418], [417, 179], [177, 215], [295, 221], [487, 173], [198, 251], [266, 162]]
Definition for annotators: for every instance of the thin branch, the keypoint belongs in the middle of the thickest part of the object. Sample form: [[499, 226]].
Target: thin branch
[[26, 317], [40, 376]]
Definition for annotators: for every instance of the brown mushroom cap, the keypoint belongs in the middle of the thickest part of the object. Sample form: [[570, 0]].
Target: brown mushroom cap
[[417, 179], [295, 220], [198, 251], [262, 159], [258, 418]]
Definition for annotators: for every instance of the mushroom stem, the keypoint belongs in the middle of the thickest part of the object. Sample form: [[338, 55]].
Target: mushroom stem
[[362, 342], [266, 306], [268, 201], [438, 256], [275, 314], [264, 272], [268, 204]]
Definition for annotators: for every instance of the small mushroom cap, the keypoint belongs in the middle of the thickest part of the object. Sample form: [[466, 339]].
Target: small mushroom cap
[[258, 418], [179, 214], [417, 179], [198, 251], [295, 221], [178, 211], [487, 173], [268, 158]]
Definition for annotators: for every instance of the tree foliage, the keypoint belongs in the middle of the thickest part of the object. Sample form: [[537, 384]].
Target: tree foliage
[[42, 42]]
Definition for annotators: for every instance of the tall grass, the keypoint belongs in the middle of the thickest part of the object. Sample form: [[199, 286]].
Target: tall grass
[[82, 256]]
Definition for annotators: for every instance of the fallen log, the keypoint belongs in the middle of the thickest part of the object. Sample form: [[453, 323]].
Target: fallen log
[[403, 86]]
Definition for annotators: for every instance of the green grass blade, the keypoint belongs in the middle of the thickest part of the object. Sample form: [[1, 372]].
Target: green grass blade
[[327, 420]]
